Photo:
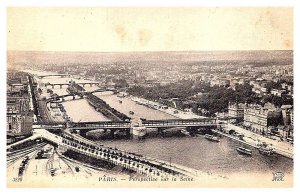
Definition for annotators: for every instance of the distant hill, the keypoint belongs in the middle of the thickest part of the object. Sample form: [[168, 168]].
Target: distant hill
[[42, 57]]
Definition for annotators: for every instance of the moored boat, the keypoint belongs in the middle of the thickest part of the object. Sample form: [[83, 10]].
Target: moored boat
[[266, 151], [139, 103], [244, 151], [211, 138], [185, 132]]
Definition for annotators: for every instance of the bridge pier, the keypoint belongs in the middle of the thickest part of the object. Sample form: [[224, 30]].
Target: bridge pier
[[128, 133], [161, 131], [112, 133], [60, 86], [192, 130], [52, 86]]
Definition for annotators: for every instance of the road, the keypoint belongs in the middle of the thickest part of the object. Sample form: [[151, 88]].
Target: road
[[45, 114], [281, 147]]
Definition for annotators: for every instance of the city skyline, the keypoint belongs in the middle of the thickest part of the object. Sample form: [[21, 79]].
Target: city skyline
[[149, 29]]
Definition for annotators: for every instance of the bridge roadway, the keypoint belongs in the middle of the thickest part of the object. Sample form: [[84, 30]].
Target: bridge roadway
[[66, 84], [203, 122], [55, 98], [78, 94], [146, 123], [138, 163]]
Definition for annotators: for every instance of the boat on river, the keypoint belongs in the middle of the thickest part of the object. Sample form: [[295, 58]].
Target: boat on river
[[185, 132], [245, 151], [211, 138], [139, 103], [266, 151]]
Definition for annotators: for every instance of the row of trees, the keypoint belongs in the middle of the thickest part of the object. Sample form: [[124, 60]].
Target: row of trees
[[199, 96], [277, 85]]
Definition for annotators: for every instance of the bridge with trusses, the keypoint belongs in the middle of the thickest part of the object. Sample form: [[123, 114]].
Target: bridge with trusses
[[83, 84], [125, 125], [86, 126], [203, 122], [142, 165]]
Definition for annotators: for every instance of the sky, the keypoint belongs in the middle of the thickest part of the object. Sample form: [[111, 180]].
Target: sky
[[149, 29]]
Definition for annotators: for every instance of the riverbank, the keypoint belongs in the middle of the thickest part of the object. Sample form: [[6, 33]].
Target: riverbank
[[54, 113], [281, 147], [250, 141], [163, 108]]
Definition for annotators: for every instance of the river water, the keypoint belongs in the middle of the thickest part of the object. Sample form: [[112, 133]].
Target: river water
[[204, 155], [124, 105], [195, 152]]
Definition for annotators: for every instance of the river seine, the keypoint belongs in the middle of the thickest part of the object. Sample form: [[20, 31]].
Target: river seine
[[195, 152]]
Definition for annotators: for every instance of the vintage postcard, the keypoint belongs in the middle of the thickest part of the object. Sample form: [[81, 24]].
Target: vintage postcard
[[149, 97]]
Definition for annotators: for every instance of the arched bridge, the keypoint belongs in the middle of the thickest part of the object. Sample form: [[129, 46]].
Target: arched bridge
[[83, 84], [61, 97], [81, 94]]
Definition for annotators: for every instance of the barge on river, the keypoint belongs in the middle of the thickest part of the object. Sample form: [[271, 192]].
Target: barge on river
[[244, 151], [266, 151], [212, 138]]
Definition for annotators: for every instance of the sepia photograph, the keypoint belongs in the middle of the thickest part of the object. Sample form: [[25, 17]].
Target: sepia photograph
[[149, 97]]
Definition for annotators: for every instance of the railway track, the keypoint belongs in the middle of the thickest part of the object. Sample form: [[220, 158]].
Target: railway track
[[24, 149], [73, 164], [22, 153], [25, 155], [66, 162]]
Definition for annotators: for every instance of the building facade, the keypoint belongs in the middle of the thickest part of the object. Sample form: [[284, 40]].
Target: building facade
[[19, 105], [256, 118], [19, 117], [236, 110]]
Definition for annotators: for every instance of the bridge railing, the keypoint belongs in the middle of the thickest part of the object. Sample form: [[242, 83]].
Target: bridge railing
[[124, 124], [178, 122]]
